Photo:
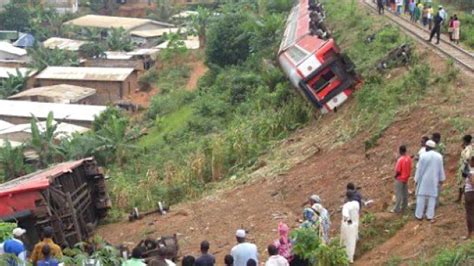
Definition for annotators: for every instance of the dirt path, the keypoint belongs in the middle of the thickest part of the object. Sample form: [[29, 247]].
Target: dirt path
[[198, 70]]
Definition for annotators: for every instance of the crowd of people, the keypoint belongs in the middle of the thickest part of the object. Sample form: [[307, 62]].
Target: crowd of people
[[422, 12], [429, 177]]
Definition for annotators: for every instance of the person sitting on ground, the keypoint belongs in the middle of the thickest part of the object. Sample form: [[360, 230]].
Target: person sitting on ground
[[15, 247], [402, 174], [136, 259], [55, 250], [274, 258], [467, 151], [355, 193], [243, 251], [206, 259], [283, 244], [228, 260], [324, 222], [252, 262], [47, 261]]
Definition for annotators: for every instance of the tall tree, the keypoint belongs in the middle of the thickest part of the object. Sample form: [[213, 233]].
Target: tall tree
[[43, 140], [199, 23]]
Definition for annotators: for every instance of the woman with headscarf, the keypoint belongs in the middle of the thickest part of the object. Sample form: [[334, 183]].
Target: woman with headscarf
[[283, 244], [310, 219], [324, 222]]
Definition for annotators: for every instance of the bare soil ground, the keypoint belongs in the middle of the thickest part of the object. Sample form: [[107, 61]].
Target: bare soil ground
[[198, 70], [315, 160], [320, 159]]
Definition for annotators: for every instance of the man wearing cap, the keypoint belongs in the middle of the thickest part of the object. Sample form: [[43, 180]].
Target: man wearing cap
[[15, 246], [428, 178], [243, 251], [55, 250]]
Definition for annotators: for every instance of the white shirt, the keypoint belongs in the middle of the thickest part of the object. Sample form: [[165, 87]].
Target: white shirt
[[277, 260], [243, 252]]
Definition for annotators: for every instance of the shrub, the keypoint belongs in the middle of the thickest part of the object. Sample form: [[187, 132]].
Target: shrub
[[227, 42]]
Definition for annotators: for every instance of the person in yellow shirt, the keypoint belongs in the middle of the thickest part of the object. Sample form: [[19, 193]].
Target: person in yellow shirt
[[37, 254]]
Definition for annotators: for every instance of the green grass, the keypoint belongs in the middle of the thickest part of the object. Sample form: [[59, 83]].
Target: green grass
[[459, 255], [172, 122]]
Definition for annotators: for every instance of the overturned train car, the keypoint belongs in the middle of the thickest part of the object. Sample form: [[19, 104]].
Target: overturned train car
[[312, 60], [70, 197]]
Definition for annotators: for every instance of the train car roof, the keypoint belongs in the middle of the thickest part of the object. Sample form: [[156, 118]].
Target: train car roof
[[298, 32], [39, 179]]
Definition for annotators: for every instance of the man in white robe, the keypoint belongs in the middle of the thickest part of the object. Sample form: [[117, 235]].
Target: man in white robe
[[428, 178], [350, 225]]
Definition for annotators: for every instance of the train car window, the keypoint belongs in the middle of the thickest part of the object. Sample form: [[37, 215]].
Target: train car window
[[323, 81], [296, 54], [292, 24]]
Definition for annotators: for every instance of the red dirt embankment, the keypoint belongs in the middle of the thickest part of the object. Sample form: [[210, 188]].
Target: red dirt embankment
[[272, 196]]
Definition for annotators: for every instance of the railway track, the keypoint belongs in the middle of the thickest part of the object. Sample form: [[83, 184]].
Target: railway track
[[461, 56]]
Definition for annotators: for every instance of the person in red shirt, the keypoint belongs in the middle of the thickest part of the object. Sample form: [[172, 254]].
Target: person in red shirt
[[402, 174]]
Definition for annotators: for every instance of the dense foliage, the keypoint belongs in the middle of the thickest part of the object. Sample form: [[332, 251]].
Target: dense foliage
[[13, 84], [307, 245]]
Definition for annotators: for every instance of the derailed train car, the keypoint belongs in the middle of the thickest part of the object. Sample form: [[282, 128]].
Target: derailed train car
[[312, 60], [71, 197]]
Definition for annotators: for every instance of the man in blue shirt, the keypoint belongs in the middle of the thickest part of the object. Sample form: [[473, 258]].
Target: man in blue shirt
[[206, 259], [15, 247]]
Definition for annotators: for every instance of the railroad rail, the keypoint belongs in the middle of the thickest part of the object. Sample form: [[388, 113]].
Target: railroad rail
[[461, 56]]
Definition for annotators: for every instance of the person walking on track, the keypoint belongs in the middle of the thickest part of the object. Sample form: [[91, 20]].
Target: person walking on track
[[438, 20]]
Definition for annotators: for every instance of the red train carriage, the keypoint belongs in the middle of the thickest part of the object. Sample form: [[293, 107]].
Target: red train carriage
[[312, 61]]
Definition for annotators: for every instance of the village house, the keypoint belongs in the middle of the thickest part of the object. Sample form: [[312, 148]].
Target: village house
[[8, 52], [111, 84], [149, 38], [22, 133], [109, 22], [21, 112], [140, 59], [62, 93], [63, 44]]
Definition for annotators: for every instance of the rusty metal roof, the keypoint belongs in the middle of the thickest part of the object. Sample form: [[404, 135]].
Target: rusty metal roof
[[39, 179], [86, 73]]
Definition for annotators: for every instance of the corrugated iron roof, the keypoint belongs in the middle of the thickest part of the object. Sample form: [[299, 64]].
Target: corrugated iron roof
[[39, 179], [11, 49], [62, 93], [63, 44], [63, 130], [5, 124], [185, 14], [86, 73], [127, 23], [156, 33], [73, 112], [6, 71]]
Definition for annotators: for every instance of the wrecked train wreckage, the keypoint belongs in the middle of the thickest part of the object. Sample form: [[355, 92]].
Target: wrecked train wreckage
[[70, 197]]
